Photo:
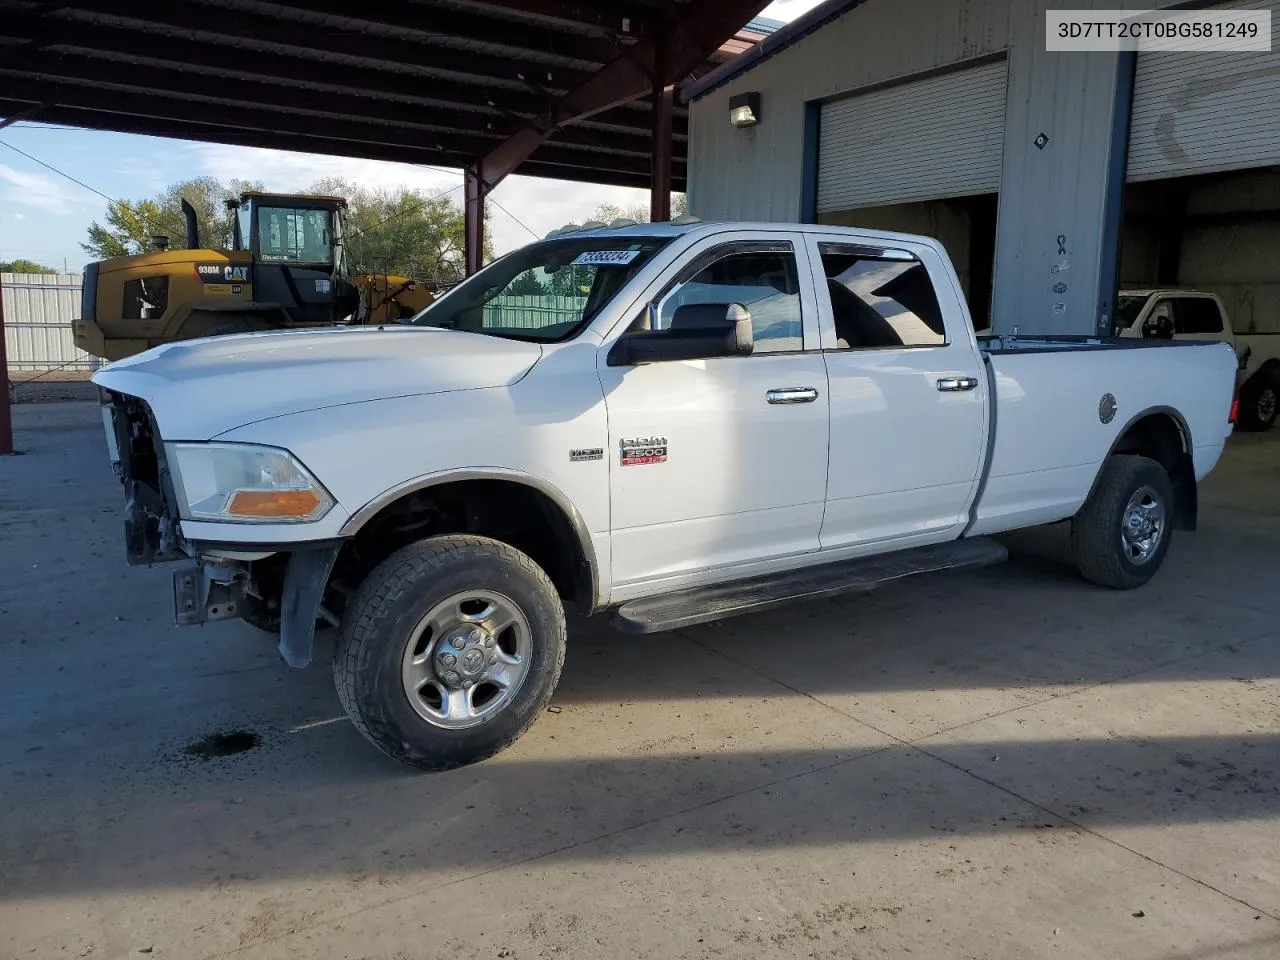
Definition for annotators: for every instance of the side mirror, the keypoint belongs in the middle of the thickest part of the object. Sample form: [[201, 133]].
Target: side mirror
[[698, 332]]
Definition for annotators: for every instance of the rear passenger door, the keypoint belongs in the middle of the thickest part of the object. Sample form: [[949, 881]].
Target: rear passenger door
[[908, 395]]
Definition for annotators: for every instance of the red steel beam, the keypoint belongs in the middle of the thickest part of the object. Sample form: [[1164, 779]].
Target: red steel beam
[[660, 157], [6, 419], [692, 39], [475, 191]]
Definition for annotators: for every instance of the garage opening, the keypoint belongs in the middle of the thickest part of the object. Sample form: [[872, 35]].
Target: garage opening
[[1217, 233], [1202, 202], [922, 155]]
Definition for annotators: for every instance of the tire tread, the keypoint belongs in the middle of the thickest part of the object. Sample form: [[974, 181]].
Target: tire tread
[[1095, 528], [375, 599]]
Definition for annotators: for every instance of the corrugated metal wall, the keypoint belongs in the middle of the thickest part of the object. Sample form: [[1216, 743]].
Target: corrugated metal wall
[[38, 310], [1057, 192], [899, 132], [1207, 112], [755, 174]]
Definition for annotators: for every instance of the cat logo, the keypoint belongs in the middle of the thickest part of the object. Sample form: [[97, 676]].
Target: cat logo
[[222, 273]]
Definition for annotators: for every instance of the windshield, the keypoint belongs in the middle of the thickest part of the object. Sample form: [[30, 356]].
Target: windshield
[[544, 292], [1127, 309], [289, 235]]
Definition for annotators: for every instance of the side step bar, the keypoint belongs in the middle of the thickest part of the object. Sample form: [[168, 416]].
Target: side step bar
[[704, 604]]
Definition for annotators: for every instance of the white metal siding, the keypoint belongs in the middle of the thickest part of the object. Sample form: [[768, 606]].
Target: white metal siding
[[38, 310], [938, 137], [1205, 112]]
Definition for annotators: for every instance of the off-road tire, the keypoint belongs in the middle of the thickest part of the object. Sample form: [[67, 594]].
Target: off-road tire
[[1251, 397], [205, 324], [380, 621], [1096, 529]]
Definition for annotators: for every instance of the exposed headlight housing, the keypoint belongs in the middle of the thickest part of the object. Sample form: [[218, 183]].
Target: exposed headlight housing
[[244, 483]]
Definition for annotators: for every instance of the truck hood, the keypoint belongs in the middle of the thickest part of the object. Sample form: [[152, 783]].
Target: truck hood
[[198, 389]]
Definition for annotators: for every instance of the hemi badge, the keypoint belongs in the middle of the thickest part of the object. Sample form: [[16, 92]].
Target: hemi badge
[[588, 453]]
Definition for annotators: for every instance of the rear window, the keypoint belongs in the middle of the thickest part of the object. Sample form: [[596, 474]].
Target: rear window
[[880, 299], [1197, 315]]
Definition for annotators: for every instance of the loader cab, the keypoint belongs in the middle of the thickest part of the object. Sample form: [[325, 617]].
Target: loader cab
[[298, 257]]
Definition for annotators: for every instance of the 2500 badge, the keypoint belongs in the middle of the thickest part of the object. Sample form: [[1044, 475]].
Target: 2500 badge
[[641, 450]]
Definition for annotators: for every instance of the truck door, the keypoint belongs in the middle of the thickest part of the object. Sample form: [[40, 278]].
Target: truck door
[[908, 394], [722, 461]]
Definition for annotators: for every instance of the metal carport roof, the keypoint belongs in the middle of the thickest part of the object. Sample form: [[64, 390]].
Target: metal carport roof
[[445, 82]]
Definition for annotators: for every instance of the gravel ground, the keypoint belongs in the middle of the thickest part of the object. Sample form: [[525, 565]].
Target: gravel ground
[[44, 390]]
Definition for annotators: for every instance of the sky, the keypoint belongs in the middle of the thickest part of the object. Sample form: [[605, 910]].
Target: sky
[[44, 215]]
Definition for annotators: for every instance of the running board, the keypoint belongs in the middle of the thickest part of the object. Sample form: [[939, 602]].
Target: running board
[[704, 604]]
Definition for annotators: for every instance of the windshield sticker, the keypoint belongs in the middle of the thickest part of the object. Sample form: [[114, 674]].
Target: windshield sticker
[[606, 258]]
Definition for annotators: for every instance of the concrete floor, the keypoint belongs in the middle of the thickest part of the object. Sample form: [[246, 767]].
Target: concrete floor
[[1002, 764]]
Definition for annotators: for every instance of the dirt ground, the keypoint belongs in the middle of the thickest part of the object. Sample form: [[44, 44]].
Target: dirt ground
[[28, 387], [1007, 763]]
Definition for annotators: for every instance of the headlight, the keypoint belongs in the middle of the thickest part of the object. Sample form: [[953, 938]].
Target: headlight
[[244, 483]]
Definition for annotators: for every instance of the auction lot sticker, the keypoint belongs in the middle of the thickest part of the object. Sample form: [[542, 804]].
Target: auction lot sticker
[[606, 258]]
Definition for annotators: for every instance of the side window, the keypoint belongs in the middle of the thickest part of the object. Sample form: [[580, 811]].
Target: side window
[[879, 300], [1198, 315], [760, 276]]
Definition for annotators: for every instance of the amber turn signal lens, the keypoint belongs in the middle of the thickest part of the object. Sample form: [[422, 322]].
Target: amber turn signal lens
[[273, 503]]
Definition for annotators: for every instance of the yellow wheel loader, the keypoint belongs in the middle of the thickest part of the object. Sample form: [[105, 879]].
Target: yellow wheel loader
[[286, 268]]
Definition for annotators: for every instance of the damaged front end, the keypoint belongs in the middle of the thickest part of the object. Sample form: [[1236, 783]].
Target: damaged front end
[[280, 588]]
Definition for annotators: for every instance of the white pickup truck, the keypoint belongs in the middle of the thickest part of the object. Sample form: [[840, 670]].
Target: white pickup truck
[[1196, 315], [668, 423]]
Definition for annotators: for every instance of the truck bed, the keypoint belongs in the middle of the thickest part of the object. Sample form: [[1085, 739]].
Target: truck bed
[[997, 345]]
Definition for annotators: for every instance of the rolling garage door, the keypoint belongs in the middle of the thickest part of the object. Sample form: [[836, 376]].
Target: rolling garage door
[[1205, 112], [923, 140]]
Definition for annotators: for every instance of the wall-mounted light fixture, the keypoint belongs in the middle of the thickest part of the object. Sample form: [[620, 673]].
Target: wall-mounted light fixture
[[744, 109]]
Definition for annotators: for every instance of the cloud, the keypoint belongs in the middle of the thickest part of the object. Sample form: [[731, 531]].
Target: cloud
[[540, 204], [19, 216], [21, 188]]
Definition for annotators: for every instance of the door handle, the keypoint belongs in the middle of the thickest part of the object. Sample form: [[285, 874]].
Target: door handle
[[957, 384], [792, 395]]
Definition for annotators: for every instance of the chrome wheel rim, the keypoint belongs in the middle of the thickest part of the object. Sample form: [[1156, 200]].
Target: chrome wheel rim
[[1142, 526], [1266, 407], [466, 659]]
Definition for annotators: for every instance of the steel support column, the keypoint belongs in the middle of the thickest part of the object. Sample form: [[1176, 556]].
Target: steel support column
[[475, 190], [660, 182], [6, 421]]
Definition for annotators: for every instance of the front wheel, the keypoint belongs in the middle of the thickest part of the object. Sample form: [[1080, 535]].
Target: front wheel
[[450, 649], [1121, 535]]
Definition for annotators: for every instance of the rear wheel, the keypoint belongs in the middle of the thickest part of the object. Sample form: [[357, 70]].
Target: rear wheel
[[450, 649], [1258, 404], [1121, 535]]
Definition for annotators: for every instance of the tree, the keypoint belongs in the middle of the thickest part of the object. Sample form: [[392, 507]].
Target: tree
[[129, 226], [527, 285], [402, 231], [24, 266], [399, 231], [639, 212]]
